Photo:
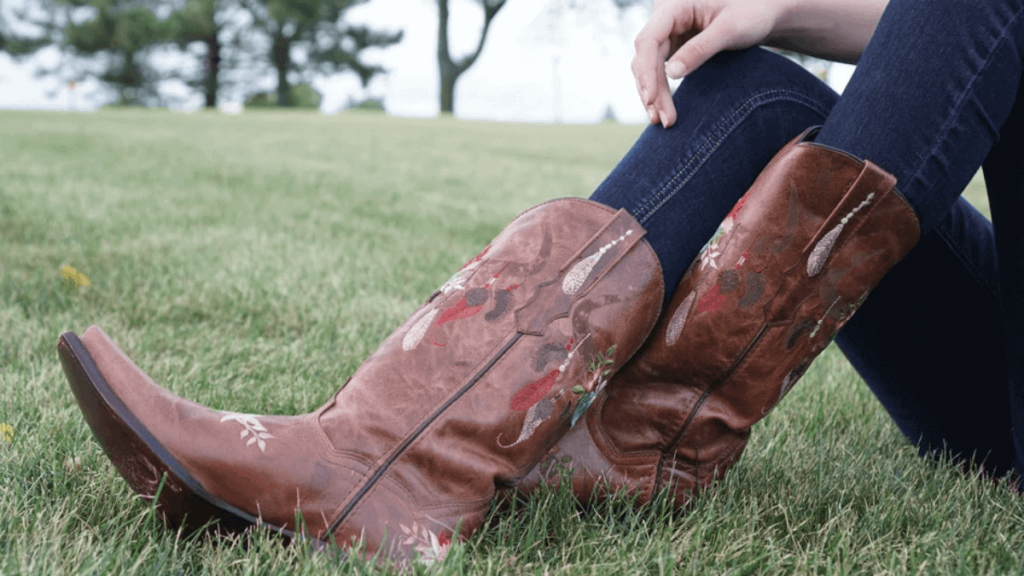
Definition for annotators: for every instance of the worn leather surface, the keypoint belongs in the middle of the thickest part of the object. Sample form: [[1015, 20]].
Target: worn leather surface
[[466, 395], [749, 316]]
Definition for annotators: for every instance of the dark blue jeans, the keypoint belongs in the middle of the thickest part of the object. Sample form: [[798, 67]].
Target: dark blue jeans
[[940, 340]]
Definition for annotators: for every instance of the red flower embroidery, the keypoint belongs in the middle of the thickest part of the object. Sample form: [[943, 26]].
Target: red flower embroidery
[[739, 206], [743, 258], [458, 312], [476, 258], [533, 392], [444, 539], [711, 301]]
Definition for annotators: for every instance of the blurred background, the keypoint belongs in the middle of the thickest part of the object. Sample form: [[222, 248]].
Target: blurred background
[[500, 60]]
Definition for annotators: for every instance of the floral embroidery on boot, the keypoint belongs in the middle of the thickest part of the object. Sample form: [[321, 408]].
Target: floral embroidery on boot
[[579, 273], [432, 547], [250, 425]]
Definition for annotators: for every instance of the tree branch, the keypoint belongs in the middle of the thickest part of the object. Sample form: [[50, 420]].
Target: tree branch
[[444, 57], [490, 10]]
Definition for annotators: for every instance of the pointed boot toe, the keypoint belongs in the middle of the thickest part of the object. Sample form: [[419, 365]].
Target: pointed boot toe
[[221, 467], [100, 376]]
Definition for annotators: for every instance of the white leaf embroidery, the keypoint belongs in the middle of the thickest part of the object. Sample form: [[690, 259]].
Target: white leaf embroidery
[[418, 330], [675, 326], [250, 425], [708, 257], [578, 275], [426, 542]]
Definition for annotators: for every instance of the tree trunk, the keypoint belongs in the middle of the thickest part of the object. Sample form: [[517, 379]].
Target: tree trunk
[[130, 80], [450, 69], [282, 59], [444, 60], [449, 75], [212, 69]]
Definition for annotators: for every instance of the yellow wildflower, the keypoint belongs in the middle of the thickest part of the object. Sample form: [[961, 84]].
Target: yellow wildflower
[[75, 276]]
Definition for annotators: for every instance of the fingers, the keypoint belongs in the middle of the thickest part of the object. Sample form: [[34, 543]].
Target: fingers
[[652, 85], [664, 32], [698, 50], [652, 46], [664, 107], [699, 32]]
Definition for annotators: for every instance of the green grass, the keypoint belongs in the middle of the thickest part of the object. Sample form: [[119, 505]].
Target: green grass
[[252, 262]]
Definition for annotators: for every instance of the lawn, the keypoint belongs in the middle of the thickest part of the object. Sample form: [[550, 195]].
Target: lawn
[[251, 262]]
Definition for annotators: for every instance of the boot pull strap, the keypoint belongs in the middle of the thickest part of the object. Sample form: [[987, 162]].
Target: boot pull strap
[[867, 191], [554, 298]]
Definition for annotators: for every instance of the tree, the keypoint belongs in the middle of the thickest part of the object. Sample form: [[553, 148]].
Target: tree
[[202, 22], [225, 42], [451, 69], [105, 39], [120, 35], [314, 31], [19, 44], [303, 96], [3, 34]]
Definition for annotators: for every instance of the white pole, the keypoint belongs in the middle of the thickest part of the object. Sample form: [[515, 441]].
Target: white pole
[[556, 89]]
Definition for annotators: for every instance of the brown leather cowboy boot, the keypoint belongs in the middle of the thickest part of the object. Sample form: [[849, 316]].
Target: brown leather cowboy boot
[[787, 268], [471, 391]]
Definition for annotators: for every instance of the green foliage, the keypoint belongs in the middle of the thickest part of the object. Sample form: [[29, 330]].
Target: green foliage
[[195, 20], [24, 43], [369, 104], [119, 26], [317, 28], [5, 34], [109, 40], [261, 100], [225, 44], [122, 31], [256, 267], [303, 96]]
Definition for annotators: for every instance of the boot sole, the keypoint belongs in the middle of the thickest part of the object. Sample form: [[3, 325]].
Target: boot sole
[[143, 462]]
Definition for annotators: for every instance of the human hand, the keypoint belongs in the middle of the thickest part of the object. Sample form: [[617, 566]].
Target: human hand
[[683, 34]]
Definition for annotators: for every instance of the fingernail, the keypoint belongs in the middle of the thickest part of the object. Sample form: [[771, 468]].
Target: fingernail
[[650, 112], [675, 69]]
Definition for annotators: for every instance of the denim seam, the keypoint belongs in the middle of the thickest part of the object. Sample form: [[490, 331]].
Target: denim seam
[[723, 129], [718, 134], [966, 261], [958, 106]]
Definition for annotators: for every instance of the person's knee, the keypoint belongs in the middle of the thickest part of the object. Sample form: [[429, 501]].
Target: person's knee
[[751, 71]]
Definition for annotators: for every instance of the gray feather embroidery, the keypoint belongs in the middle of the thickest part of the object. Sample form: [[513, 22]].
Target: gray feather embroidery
[[675, 326], [821, 251], [537, 413]]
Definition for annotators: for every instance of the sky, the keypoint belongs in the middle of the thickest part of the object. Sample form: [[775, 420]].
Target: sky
[[543, 61]]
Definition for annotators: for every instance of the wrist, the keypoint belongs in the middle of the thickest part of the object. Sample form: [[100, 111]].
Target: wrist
[[836, 30], [792, 24]]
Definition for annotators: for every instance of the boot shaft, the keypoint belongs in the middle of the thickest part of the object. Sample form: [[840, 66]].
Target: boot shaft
[[788, 266]]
